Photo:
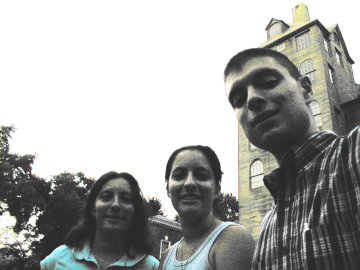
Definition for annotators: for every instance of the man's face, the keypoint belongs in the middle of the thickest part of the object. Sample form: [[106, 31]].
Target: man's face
[[269, 104]]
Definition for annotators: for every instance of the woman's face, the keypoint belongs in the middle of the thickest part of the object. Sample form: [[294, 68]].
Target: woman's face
[[114, 207], [192, 185]]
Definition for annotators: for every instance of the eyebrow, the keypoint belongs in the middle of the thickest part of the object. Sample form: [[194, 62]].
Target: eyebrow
[[255, 73], [195, 168]]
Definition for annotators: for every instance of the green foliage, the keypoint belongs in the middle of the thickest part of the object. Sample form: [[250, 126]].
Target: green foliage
[[155, 207], [18, 186], [54, 203], [61, 211], [226, 207]]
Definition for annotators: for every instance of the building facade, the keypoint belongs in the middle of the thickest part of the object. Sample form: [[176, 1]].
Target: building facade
[[164, 233], [320, 53]]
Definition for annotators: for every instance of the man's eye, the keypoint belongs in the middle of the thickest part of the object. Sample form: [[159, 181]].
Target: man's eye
[[238, 101], [202, 174], [268, 82]]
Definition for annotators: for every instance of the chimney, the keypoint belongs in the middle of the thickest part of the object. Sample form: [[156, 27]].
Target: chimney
[[301, 13]]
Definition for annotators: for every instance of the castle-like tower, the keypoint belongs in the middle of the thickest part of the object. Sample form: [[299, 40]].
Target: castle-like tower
[[320, 53]]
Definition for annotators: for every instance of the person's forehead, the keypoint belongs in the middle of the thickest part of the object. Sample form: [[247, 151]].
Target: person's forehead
[[252, 66], [116, 183], [188, 157]]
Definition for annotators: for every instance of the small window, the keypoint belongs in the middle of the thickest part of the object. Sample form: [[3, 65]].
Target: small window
[[326, 45], [280, 47], [336, 39], [307, 69], [316, 111], [164, 245], [303, 41], [338, 57], [331, 74], [256, 174], [275, 29]]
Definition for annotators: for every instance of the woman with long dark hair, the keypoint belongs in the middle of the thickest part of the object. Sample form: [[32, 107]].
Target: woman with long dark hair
[[193, 179], [112, 232]]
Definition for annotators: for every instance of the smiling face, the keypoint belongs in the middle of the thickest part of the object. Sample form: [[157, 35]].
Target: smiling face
[[269, 104], [113, 207], [192, 185]]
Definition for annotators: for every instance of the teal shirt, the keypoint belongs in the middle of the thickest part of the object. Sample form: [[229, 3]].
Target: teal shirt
[[65, 257]]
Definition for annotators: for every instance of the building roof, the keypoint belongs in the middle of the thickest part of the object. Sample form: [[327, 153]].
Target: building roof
[[273, 21], [336, 28], [164, 221], [297, 27]]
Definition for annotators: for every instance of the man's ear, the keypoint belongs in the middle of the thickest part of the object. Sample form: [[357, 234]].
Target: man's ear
[[306, 85]]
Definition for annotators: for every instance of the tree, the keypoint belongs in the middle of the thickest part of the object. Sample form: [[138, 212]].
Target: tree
[[61, 211], [155, 207], [21, 194], [44, 210], [19, 187], [16, 252], [226, 207]]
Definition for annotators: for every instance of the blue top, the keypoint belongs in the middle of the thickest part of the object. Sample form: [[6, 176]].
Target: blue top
[[65, 257], [200, 259]]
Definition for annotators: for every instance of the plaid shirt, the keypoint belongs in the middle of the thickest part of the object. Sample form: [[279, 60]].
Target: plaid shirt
[[314, 222]]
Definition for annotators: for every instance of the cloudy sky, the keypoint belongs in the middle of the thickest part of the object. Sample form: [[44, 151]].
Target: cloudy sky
[[94, 86]]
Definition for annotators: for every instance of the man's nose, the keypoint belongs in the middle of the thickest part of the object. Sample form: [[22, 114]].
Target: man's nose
[[255, 99]]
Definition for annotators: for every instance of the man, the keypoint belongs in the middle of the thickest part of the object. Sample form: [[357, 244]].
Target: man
[[315, 222]]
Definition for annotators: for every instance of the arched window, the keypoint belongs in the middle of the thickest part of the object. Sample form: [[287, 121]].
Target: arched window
[[256, 174], [307, 68], [315, 108]]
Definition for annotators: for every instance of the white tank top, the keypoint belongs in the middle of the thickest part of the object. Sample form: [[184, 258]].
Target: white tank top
[[200, 259]]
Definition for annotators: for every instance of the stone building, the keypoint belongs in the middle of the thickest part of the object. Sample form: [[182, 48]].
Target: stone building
[[320, 53], [164, 233]]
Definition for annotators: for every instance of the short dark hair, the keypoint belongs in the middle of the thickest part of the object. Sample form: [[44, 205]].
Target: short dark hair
[[239, 60], [138, 230], [207, 152]]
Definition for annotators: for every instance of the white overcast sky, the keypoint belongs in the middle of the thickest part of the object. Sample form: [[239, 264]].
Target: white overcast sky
[[94, 86]]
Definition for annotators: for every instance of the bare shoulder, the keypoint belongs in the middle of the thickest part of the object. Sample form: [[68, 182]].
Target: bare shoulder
[[233, 249], [234, 233]]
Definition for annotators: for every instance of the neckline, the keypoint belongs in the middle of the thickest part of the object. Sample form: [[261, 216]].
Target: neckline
[[200, 248]]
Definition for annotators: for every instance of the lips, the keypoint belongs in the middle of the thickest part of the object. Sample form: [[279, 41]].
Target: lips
[[190, 197], [263, 116], [114, 217]]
